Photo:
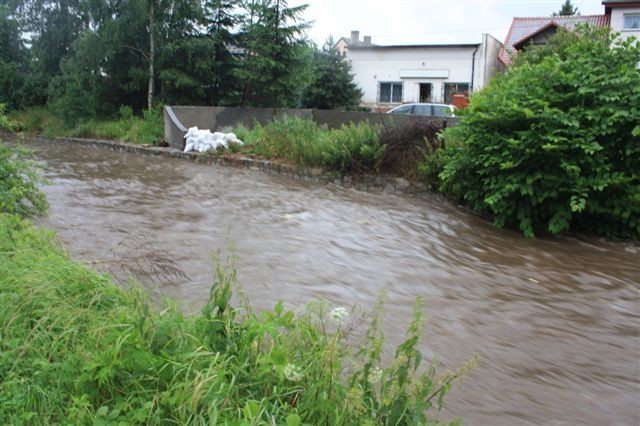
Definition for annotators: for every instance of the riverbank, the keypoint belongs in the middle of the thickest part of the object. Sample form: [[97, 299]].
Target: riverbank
[[77, 348], [298, 241], [359, 182]]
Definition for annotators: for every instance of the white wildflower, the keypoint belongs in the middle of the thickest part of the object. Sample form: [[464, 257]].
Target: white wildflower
[[338, 314], [375, 374], [293, 372]]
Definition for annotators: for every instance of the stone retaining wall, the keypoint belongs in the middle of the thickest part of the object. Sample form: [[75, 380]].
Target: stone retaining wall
[[368, 183]]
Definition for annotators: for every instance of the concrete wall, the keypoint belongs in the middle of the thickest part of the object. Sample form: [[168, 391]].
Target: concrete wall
[[488, 65], [177, 119]]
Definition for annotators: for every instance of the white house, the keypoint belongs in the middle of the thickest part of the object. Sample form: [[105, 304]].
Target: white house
[[624, 17], [392, 75]]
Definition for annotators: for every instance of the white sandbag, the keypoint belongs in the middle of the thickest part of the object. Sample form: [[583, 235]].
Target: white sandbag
[[202, 140]]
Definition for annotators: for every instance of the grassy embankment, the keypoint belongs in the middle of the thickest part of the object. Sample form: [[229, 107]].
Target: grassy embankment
[[126, 127], [75, 348]]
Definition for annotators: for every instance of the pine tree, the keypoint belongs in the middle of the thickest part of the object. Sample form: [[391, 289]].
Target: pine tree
[[332, 86], [221, 20], [275, 67], [567, 9]]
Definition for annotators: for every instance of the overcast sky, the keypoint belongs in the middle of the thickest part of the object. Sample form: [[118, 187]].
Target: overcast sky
[[426, 21]]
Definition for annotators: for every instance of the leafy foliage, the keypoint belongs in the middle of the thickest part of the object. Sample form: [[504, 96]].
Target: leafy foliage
[[19, 192], [5, 122], [555, 143], [76, 348]]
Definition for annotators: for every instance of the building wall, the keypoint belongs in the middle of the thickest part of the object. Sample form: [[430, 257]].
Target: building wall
[[375, 65], [342, 47], [617, 20], [489, 65], [412, 66]]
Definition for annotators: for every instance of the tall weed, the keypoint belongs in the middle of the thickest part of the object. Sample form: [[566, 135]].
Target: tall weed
[[19, 180], [301, 141]]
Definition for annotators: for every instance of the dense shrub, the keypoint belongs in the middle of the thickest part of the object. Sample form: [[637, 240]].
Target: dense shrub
[[75, 349], [555, 143], [19, 192]]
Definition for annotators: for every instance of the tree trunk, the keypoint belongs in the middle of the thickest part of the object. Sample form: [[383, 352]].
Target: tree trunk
[[152, 49]]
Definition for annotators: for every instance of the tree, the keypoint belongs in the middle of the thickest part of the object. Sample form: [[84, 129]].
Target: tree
[[554, 144], [567, 9], [276, 62], [332, 86], [223, 83], [54, 25], [13, 58]]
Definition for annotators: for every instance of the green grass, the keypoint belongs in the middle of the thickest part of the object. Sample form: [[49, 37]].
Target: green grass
[[147, 129], [76, 349], [351, 148]]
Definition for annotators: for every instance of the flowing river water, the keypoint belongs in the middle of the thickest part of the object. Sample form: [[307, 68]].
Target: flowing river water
[[554, 322]]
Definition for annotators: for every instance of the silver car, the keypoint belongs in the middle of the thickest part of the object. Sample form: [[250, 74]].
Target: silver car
[[430, 110]]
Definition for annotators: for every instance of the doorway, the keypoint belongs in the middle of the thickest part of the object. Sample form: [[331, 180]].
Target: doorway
[[425, 92]]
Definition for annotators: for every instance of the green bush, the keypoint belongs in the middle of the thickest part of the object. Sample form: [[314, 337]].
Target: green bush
[[353, 148], [38, 120], [290, 138], [19, 179], [554, 144], [75, 349], [300, 141], [5, 122]]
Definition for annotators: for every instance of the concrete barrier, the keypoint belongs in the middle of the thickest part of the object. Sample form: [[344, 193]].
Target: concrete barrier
[[177, 119]]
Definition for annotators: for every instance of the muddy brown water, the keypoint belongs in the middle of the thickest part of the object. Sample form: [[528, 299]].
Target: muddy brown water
[[555, 322]]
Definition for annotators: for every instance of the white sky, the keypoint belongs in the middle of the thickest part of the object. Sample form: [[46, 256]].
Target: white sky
[[426, 21]]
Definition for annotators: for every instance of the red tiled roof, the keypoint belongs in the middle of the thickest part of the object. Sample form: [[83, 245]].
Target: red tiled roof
[[521, 28]]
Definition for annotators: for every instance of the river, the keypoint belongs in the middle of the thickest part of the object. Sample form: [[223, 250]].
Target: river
[[554, 322]]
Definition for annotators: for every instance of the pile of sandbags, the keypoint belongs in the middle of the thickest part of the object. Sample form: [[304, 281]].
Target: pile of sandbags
[[203, 140]]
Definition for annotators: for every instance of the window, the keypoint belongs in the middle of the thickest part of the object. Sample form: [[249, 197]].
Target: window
[[390, 93], [422, 110], [404, 109], [442, 111], [631, 21], [451, 89]]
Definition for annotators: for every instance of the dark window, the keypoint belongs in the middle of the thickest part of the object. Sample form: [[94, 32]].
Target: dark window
[[391, 93], [451, 89]]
